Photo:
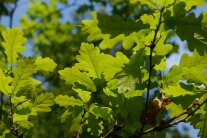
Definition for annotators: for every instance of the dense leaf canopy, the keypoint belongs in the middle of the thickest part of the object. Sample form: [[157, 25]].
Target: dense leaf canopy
[[103, 76]]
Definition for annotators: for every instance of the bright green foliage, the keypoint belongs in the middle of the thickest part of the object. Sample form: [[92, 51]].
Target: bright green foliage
[[90, 60], [154, 3], [150, 3], [25, 97], [103, 28], [23, 71], [13, 44], [199, 120], [102, 112], [5, 88], [132, 73], [45, 64], [113, 65], [106, 91], [84, 95], [94, 126], [196, 29], [68, 101], [72, 75], [42, 103]]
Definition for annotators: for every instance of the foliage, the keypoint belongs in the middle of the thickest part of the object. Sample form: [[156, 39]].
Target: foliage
[[107, 90]]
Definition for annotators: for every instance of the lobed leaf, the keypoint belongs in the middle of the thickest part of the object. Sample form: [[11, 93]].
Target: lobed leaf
[[45, 64], [90, 60], [72, 75], [67, 101], [111, 30], [13, 44], [84, 95], [5, 82], [22, 73], [42, 103]]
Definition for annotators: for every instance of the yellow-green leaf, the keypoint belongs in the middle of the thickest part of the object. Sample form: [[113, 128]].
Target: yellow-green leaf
[[5, 88], [13, 44], [67, 101], [72, 75], [45, 64]]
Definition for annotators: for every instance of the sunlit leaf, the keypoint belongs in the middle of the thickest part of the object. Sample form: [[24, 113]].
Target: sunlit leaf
[[5, 82], [22, 73], [43, 103], [45, 64], [67, 101], [111, 30], [72, 75], [90, 60], [13, 44]]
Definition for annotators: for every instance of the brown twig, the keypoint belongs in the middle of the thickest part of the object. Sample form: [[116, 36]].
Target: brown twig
[[174, 121], [152, 46], [81, 124]]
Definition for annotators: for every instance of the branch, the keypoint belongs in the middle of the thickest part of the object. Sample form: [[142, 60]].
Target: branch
[[12, 13], [173, 121], [152, 46], [14, 130], [81, 123]]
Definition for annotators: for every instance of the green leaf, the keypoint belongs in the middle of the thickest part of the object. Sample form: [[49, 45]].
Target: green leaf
[[111, 30], [150, 3], [108, 92], [174, 74], [102, 112], [191, 68], [161, 65], [90, 60], [112, 65], [194, 75], [191, 3], [94, 125], [84, 95], [162, 50], [131, 73], [175, 109], [189, 28], [45, 64], [67, 101], [195, 60], [42, 103], [13, 44], [165, 2], [22, 120], [72, 75], [199, 121], [5, 82], [178, 89], [72, 118], [22, 73], [16, 100]]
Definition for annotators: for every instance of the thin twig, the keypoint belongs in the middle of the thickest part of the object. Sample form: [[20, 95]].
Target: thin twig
[[174, 121], [14, 130], [81, 124], [12, 13], [152, 46]]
